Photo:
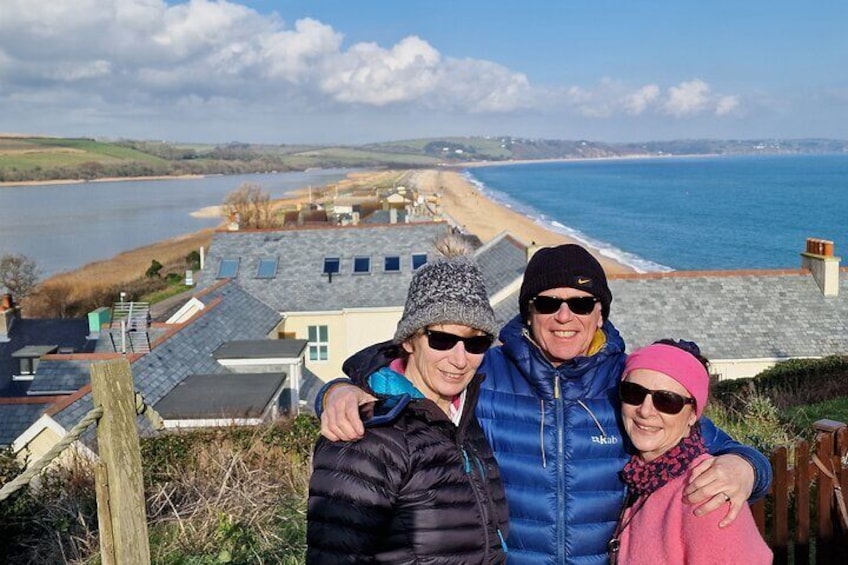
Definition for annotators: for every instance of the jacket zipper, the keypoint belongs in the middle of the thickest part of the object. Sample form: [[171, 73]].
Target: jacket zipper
[[560, 533], [487, 509]]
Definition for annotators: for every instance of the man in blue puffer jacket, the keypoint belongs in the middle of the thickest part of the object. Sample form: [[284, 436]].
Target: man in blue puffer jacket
[[549, 408]]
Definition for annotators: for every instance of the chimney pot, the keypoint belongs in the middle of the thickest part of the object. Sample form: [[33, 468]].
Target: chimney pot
[[821, 263]]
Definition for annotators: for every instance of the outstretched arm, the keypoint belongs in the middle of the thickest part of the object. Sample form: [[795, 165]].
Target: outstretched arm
[[738, 473], [338, 405]]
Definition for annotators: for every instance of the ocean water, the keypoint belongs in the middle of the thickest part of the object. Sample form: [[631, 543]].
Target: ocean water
[[700, 213]]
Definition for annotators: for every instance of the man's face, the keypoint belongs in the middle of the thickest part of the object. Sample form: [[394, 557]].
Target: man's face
[[564, 335]]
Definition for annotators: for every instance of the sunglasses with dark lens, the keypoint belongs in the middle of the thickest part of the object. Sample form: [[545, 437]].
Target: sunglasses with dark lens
[[580, 305], [443, 341], [664, 401]]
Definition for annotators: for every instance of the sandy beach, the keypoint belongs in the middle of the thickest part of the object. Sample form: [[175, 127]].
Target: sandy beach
[[483, 217], [461, 202]]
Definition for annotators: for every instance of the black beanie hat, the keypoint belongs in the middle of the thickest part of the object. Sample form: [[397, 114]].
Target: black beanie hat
[[569, 266]]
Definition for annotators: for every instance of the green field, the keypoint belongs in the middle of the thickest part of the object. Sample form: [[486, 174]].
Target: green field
[[27, 154]]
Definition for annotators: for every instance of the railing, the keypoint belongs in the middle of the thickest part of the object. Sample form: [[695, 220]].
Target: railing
[[808, 483], [129, 326], [119, 488]]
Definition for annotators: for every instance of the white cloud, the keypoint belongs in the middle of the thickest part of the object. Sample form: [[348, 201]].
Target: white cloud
[[203, 59], [636, 102], [687, 98], [726, 105]]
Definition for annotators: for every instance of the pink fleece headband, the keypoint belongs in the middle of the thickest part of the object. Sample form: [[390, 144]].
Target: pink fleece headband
[[677, 364]]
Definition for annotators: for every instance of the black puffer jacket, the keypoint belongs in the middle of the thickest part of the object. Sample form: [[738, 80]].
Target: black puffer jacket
[[417, 490]]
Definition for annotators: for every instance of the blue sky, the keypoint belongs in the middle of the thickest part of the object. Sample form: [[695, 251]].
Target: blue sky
[[356, 71]]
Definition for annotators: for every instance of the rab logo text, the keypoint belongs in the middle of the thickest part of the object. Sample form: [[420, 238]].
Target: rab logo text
[[605, 440]]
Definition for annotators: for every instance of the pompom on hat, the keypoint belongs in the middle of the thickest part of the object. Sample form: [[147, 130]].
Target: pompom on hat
[[569, 266], [446, 291], [678, 364]]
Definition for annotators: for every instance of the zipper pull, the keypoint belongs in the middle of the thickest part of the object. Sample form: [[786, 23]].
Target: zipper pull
[[503, 541], [556, 387], [467, 461]]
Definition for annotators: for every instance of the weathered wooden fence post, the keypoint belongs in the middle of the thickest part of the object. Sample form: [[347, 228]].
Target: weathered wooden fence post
[[117, 440]]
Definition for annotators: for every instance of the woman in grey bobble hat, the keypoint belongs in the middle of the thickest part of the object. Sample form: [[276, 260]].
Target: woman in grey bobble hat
[[423, 485]]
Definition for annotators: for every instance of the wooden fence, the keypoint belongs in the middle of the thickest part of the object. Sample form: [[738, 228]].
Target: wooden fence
[[804, 518]]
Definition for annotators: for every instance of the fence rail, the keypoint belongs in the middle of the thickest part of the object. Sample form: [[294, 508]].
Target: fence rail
[[808, 483]]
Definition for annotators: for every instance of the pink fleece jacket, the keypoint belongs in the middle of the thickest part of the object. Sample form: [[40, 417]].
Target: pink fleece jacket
[[665, 531]]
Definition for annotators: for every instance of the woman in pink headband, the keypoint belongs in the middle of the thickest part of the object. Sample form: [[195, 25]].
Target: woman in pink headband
[[663, 392]]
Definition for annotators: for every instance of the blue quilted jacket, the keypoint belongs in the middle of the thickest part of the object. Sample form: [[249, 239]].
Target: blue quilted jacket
[[557, 436]]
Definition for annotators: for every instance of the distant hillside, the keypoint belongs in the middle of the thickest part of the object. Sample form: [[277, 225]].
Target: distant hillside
[[46, 158]]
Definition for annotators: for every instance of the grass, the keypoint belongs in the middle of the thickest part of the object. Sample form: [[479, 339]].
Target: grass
[[48, 153], [804, 416]]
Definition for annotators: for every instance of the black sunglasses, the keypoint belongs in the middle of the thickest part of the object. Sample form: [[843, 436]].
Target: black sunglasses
[[580, 305], [444, 341], [664, 401]]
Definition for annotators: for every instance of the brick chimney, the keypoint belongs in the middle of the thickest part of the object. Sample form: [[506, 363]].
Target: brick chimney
[[819, 260], [9, 312]]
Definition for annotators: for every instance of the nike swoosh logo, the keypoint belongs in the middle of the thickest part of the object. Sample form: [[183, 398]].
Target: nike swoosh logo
[[584, 281]]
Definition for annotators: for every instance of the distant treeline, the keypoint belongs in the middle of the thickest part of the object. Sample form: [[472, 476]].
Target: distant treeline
[[129, 158]]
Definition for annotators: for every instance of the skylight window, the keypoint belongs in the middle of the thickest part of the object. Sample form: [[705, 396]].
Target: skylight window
[[332, 265], [361, 265], [228, 269], [267, 268], [392, 264], [418, 259]]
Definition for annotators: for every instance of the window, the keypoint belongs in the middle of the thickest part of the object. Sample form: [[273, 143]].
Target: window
[[362, 265], [331, 265], [392, 264], [267, 268], [28, 365], [418, 259], [228, 269], [319, 343]]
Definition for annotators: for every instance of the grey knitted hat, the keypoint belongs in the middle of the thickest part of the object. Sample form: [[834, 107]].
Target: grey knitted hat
[[446, 291]]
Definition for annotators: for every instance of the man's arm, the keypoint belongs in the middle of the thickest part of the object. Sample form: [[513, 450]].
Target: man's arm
[[737, 474], [337, 404]]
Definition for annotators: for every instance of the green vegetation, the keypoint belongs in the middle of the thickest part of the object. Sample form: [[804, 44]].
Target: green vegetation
[[42, 159]]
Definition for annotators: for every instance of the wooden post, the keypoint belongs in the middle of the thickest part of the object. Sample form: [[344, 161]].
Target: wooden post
[[117, 440], [104, 515], [780, 508], [824, 536], [802, 503]]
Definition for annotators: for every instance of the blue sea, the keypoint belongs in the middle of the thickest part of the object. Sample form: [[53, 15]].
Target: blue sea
[[677, 213]]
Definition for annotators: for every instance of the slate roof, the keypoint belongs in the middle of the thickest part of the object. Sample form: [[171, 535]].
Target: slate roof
[[56, 376], [237, 315], [68, 332], [300, 284], [733, 314], [261, 349], [729, 314], [230, 395], [502, 262], [16, 415]]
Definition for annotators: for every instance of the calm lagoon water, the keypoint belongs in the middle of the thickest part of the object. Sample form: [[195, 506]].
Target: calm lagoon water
[[751, 212], [64, 226]]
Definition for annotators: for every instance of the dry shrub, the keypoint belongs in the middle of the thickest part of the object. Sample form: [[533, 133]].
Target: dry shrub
[[54, 520], [234, 494], [99, 284]]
